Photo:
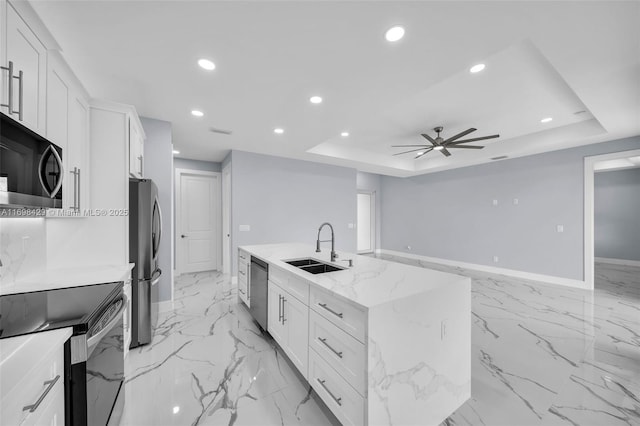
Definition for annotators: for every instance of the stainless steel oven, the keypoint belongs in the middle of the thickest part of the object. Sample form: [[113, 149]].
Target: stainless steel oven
[[31, 170], [94, 368]]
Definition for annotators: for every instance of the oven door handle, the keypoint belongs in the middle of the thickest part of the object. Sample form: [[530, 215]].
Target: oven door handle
[[93, 340]]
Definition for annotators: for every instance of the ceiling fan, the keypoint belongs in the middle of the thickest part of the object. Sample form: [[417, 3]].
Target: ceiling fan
[[442, 145]]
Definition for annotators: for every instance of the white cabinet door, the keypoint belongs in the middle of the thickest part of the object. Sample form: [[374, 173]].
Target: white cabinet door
[[274, 316], [28, 55], [78, 157], [57, 109], [296, 320], [136, 154]]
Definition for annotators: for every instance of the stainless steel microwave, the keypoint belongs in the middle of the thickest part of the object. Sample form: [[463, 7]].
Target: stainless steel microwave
[[31, 169]]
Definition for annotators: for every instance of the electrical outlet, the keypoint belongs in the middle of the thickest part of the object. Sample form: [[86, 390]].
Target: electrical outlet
[[351, 226], [495, 259], [408, 247], [560, 228], [516, 201], [495, 202], [245, 228]]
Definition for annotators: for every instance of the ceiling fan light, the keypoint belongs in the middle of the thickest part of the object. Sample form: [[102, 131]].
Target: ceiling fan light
[[438, 148]]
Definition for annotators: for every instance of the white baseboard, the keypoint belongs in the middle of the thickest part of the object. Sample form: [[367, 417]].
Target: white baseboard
[[550, 279], [165, 306], [234, 279], [618, 261]]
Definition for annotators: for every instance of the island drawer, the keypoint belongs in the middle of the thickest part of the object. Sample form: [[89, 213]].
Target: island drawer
[[345, 315], [243, 256], [345, 354], [343, 401], [295, 286], [243, 271]]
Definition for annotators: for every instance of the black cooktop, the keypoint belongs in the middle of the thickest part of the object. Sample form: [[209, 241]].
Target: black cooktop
[[77, 307]]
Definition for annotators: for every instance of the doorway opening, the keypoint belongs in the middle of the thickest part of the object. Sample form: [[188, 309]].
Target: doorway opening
[[366, 224], [593, 165], [198, 221]]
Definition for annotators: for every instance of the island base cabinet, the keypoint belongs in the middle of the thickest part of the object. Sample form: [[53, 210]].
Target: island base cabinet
[[288, 324], [343, 401]]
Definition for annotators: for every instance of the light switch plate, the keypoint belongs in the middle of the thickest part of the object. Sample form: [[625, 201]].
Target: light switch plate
[[560, 228], [495, 259], [245, 228], [351, 226], [495, 202]]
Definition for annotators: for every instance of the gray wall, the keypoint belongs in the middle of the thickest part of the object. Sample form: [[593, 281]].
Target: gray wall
[[617, 214], [286, 200], [373, 182], [450, 214], [203, 166], [158, 166]]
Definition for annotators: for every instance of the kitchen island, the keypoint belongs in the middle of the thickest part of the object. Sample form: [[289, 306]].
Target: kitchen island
[[379, 342]]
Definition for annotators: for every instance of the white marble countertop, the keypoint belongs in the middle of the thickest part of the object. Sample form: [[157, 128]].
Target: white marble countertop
[[370, 282], [68, 277]]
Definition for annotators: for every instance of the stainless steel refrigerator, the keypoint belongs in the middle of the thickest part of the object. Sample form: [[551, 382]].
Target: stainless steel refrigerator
[[145, 233]]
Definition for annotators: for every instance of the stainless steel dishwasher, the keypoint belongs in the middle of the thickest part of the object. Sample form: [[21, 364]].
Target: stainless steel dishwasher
[[259, 291]]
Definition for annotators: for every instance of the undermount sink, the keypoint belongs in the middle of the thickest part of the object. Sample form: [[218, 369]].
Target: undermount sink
[[313, 266]]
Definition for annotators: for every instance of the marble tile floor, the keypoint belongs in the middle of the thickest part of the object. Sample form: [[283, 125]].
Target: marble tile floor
[[541, 355]]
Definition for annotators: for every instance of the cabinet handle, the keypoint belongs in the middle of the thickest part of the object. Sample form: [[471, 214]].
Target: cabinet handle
[[20, 97], [324, 342], [79, 193], [280, 314], [140, 160], [242, 272], [50, 384], [324, 305], [337, 400], [284, 299], [75, 172], [241, 291], [9, 103]]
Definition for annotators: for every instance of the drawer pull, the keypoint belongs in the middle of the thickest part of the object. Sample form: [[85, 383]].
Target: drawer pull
[[242, 291], [324, 305], [51, 383], [337, 400], [242, 272], [324, 342]]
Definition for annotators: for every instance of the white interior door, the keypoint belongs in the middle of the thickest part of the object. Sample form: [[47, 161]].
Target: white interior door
[[226, 220], [366, 222], [197, 237]]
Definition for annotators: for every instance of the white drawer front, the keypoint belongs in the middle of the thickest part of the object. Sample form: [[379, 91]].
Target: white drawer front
[[346, 316], [345, 354], [51, 411], [46, 377], [243, 292], [295, 286], [243, 272], [345, 403], [243, 256]]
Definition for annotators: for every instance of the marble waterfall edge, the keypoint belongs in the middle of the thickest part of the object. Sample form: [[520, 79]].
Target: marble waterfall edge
[[423, 372]]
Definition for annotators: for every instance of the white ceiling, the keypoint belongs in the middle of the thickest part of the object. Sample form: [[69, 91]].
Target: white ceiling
[[543, 59]]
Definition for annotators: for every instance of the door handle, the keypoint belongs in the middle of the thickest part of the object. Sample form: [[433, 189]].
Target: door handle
[[9, 103]]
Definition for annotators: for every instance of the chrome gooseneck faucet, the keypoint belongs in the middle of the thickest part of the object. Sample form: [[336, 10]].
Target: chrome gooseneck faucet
[[333, 242]]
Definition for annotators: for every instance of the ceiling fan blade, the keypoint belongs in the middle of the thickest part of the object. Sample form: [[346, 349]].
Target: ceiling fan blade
[[426, 152], [459, 135], [465, 146], [429, 138], [413, 150], [445, 152], [402, 146], [475, 139]]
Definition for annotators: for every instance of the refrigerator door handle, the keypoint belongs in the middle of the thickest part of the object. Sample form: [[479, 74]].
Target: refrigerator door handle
[[156, 247], [154, 278]]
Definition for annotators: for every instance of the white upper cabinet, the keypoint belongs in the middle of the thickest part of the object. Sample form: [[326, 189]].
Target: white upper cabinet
[[136, 150], [24, 73], [68, 127]]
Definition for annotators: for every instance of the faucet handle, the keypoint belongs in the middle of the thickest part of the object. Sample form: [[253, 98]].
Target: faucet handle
[[348, 260]]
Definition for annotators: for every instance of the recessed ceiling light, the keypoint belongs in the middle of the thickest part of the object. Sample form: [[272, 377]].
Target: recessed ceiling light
[[315, 99], [197, 113], [394, 33], [175, 151], [438, 148], [278, 130], [176, 409], [476, 68], [206, 64], [344, 134], [546, 120]]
